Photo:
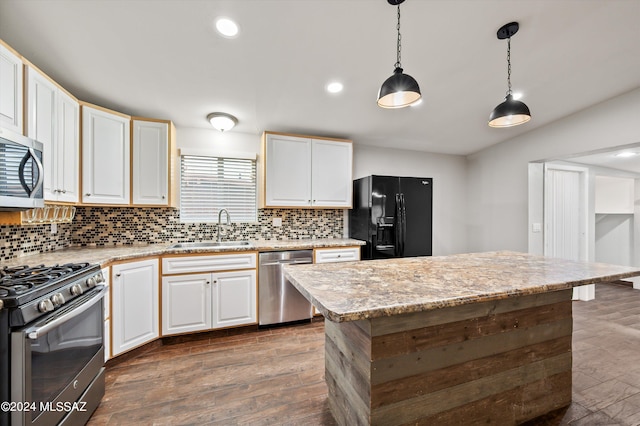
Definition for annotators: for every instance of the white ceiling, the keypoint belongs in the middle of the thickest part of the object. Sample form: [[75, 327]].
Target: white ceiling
[[163, 59]]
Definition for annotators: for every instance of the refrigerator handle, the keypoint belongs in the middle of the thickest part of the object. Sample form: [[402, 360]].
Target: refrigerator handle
[[397, 219], [403, 224]]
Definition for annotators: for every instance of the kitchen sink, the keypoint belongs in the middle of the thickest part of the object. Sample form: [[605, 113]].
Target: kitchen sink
[[212, 244]]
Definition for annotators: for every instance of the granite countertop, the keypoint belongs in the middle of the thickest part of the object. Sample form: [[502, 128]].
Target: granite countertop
[[106, 255], [352, 291]]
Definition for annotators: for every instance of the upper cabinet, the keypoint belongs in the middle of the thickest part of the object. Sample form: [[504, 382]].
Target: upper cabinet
[[305, 171], [11, 103], [53, 119], [105, 156], [154, 156]]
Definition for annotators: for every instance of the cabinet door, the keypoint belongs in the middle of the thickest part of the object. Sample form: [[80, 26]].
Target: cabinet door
[[234, 298], [186, 303], [10, 90], [150, 162], [288, 171], [134, 307], [68, 149], [332, 255], [331, 172], [41, 125], [105, 157]]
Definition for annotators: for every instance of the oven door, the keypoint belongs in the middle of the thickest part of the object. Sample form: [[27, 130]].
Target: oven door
[[55, 361]]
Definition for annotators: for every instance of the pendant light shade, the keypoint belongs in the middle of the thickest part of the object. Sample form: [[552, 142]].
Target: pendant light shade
[[510, 112], [400, 90]]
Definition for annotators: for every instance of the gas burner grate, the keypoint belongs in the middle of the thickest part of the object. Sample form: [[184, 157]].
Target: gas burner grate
[[18, 280]]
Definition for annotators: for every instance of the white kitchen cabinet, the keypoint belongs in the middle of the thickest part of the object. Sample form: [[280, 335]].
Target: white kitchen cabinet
[[331, 173], [105, 156], [234, 298], [134, 304], [11, 89], [150, 171], [331, 255], [303, 171], [53, 119], [208, 292], [186, 303]]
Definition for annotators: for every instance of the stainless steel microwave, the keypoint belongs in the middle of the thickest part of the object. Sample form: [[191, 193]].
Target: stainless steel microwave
[[21, 172]]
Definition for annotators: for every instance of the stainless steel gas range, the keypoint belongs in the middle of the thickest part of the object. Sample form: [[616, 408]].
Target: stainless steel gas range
[[51, 344]]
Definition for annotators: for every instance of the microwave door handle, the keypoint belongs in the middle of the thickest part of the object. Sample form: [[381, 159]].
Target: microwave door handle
[[36, 332], [31, 192]]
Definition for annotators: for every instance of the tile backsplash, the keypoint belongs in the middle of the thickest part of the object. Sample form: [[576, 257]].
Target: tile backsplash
[[112, 226]]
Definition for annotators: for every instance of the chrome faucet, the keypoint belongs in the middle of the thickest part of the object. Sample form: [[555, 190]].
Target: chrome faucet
[[220, 219]]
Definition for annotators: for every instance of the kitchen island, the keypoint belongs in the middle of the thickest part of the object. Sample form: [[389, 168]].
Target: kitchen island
[[481, 338]]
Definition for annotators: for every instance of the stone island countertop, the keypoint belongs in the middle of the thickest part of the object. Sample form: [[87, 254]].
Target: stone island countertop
[[354, 291], [107, 255]]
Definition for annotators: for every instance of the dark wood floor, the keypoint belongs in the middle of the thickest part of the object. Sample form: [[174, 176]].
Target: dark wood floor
[[275, 376]]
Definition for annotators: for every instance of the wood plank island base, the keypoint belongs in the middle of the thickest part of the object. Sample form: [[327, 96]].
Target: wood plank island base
[[482, 338]]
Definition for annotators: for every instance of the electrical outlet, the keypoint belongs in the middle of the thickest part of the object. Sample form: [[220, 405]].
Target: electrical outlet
[[54, 228], [277, 221]]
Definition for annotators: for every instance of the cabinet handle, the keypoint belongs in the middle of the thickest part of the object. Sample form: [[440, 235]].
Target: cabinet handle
[[339, 255], [64, 191], [118, 275], [87, 194], [208, 282], [163, 197]]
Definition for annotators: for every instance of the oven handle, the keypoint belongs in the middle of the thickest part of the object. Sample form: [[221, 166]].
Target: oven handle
[[36, 332]]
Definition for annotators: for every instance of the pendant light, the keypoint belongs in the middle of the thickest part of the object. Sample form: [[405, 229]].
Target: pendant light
[[510, 112], [400, 90]]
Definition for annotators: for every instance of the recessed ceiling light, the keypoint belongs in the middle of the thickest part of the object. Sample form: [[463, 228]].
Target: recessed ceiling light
[[626, 154], [227, 27], [335, 87]]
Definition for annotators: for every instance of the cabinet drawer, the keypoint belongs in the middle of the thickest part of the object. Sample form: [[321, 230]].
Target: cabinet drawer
[[337, 255], [220, 262]]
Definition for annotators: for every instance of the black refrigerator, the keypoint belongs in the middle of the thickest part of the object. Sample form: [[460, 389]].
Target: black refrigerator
[[393, 215]]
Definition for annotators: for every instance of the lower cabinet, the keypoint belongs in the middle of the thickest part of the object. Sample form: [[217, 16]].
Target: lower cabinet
[[205, 301], [134, 304], [107, 314]]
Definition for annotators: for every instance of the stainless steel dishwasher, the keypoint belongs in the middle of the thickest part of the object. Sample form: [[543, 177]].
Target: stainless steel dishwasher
[[279, 300]]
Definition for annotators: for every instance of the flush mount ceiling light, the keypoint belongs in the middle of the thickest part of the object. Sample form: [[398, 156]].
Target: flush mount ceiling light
[[510, 112], [226, 27], [335, 87], [400, 90], [222, 121]]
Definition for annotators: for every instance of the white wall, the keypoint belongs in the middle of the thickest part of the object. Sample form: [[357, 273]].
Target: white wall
[[497, 177], [449, 187]]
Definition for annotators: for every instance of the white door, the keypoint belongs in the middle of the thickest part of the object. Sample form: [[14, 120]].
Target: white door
[[68, 149], [186, 303], [150, 162], [288, 171], [134, 292], [234, 298], [10, 90], [566, 217], [105, 157], [331, 178], [41, 125]]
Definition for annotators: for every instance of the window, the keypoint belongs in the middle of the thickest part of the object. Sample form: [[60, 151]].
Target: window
[[209, 184]]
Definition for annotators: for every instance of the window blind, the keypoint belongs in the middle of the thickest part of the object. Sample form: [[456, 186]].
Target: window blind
[[209, 184]]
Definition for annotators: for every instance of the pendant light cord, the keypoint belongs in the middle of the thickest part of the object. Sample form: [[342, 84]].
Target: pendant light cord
[[398, 65], [508, 66]]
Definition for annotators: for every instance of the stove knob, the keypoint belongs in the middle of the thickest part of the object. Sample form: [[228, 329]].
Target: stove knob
[[57, 299], [1, 304], [91, 282], [76, 290], [45, 306], [99, 278]]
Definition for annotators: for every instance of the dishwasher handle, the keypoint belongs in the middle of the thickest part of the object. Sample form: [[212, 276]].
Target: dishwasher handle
[[288, 262]]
